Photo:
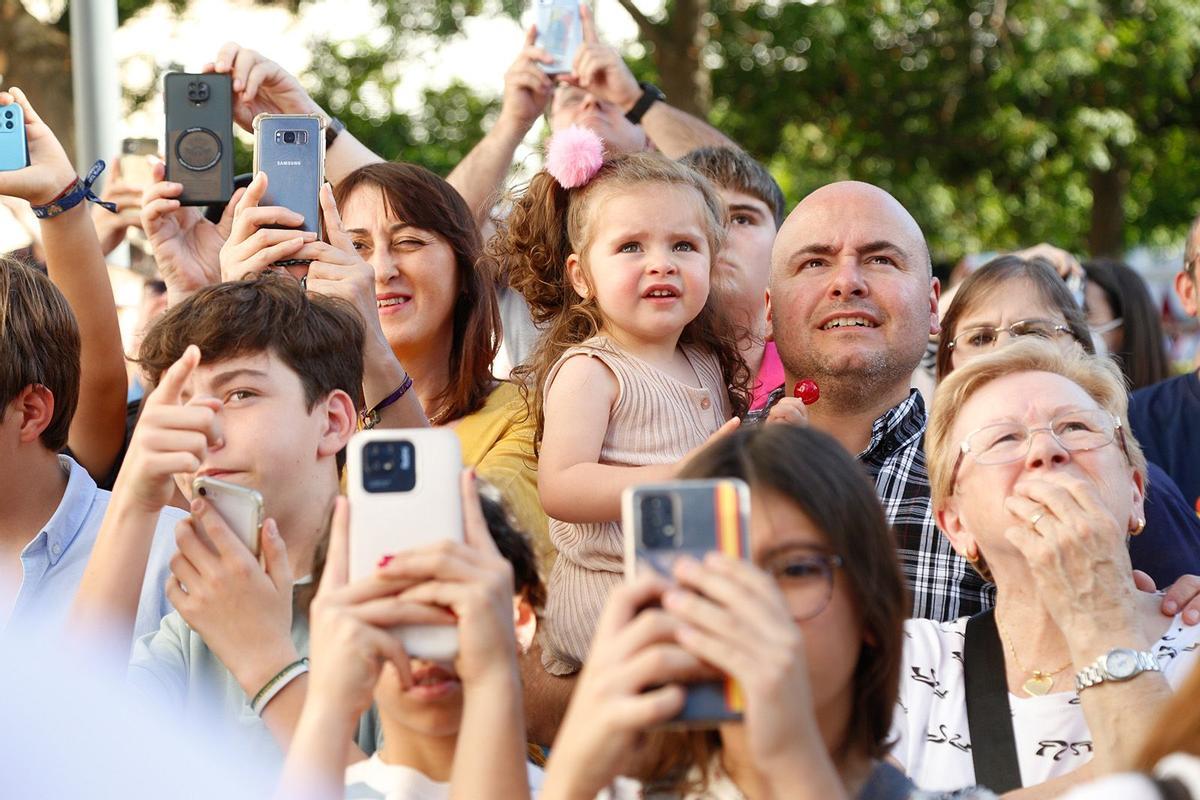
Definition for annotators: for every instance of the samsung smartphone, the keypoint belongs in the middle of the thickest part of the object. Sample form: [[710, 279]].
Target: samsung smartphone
[[241, 508], [559, 33], [14, 150], [290, 148], [135, 161], [663, 521], [200, 136], [403, 486]]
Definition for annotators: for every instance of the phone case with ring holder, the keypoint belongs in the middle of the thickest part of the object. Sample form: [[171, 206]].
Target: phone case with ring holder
[[199, 141]]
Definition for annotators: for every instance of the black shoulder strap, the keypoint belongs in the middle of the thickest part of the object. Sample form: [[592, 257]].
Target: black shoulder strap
[[989, 717], [1172, 789]]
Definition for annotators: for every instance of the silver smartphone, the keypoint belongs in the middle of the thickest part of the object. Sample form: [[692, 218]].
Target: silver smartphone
[[241, 508], [404, 492]]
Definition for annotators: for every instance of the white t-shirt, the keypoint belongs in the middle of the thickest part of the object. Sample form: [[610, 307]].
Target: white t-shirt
[[374, 780], [933, 742]]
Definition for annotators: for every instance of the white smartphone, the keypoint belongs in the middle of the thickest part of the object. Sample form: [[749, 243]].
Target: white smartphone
[[403, 486], [559, 33], [241, 508]]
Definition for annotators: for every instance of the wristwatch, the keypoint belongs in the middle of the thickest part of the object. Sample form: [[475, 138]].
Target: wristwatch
[[1118, 664], [332, 129], [651, 94]]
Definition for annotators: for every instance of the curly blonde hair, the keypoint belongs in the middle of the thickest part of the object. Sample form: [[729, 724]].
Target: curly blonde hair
[[548, 223]]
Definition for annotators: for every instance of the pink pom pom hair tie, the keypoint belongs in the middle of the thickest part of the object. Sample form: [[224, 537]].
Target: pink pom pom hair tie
[[574, 156]]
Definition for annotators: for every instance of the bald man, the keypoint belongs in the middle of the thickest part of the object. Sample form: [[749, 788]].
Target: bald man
[[851, 303]]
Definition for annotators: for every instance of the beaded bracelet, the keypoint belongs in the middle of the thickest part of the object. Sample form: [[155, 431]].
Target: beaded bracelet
[[277, 684], [73, 195], [371, 418]]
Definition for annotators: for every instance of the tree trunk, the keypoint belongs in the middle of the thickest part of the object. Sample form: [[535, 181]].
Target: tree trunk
[[1106, 237], [678, 56], [37, 57]]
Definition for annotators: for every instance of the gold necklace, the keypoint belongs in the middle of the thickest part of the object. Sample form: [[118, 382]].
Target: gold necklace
[[1039, 682]]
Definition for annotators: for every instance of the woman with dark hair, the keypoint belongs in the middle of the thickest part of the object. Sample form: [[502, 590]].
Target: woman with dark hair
[[1012, 297], [1120, 310], [403, 249], [812, 631]]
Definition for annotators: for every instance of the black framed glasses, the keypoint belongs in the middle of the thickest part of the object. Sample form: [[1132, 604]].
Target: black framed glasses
[[806, 578], [1006, 442], [981, 338]]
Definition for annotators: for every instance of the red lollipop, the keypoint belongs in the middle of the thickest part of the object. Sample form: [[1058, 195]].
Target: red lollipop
[[808, 391]]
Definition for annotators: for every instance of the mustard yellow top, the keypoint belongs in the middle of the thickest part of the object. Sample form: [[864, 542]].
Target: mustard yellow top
[[497, 440]]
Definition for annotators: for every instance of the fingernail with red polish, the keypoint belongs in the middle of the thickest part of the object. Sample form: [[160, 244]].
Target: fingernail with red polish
[[383, 562]]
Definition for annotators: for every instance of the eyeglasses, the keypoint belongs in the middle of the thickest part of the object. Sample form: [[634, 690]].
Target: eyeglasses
[[985, 337], [806, 578], [1006, 442]]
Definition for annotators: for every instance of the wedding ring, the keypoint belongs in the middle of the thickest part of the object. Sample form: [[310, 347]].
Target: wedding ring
[[1035, 519]]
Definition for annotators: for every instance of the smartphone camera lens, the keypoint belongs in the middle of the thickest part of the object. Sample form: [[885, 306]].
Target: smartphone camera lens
[[659, 526], [8, 114], [289, 137], [8, 125], [388, 467], [203, 492]]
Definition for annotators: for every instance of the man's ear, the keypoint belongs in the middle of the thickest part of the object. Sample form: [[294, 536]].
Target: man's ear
[[770, 333], [1185, 288], [577, 277], [34, 407], [935, 291], [340, 422], [525, 621]]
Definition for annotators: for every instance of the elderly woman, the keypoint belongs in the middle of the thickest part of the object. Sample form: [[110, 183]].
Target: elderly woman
[[1013, 297], [1036, 481]]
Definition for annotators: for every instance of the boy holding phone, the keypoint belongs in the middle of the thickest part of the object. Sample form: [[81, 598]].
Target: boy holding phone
[[258, 384]]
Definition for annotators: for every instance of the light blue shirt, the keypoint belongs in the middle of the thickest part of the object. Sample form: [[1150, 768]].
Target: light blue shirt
[[53, 561]]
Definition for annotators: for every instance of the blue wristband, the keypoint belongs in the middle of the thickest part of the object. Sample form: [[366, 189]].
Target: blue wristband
[[74, 195]]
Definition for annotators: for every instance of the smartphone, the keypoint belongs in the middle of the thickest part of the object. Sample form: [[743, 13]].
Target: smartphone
[[290, 148], [200, 136], [14, 150], [664, 521], [559, 33], [403, 486], [241, 508], [135, 161]]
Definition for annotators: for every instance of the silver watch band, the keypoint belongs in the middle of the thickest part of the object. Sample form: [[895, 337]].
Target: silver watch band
[[1097, 672]]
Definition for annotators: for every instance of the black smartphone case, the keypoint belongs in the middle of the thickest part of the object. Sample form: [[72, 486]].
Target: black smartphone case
[[295, 170], [199, 141], [712, 515]]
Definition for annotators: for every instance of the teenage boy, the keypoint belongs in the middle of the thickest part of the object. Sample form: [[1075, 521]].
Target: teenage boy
[[755, 205], [51, 507], [257, 384]]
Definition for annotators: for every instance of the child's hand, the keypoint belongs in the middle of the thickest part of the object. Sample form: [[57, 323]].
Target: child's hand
[[49, 171], [187, 247], [351, 637], [475, 582], [790, 410], [252, 247], [241, 609], [171, 437], [631, 682]]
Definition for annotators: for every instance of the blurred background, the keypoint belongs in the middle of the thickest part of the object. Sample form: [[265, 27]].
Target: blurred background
[[998, 123]]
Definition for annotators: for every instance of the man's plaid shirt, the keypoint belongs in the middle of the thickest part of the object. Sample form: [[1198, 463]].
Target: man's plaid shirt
[[942, 583]]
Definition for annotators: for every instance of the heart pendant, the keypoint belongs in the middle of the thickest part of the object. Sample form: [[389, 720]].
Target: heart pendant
[[1038, 685]]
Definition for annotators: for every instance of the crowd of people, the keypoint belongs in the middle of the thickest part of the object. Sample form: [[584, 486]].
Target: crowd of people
[[937, 601]]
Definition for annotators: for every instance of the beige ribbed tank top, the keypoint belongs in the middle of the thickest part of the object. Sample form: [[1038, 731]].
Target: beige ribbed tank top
[[655, 419]]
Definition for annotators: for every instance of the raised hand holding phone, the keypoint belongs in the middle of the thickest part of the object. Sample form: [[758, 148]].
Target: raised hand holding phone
[[111, 228], [599, 68], [49, 171], [242, 609], [187, 247], [252, 245]]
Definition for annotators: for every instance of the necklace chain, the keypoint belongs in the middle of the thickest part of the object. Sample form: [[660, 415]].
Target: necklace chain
[[1036, 673]]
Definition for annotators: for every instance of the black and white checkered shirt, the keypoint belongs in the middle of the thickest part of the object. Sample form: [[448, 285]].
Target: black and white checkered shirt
[[942, 583]]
